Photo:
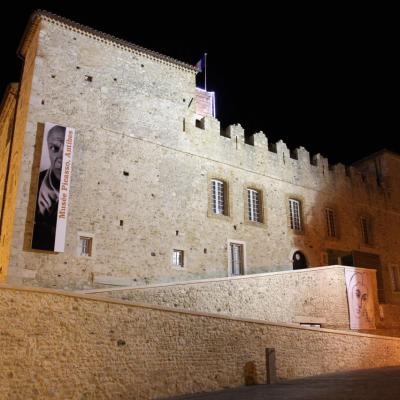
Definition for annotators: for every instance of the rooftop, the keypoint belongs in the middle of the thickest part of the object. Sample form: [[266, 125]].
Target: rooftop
[[41, 14]]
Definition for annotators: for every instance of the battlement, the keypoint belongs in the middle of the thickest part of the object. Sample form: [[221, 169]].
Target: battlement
[[293, 164]]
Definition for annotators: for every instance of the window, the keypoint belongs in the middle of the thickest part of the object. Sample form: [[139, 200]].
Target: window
[[254, 205], [85, 245], [218, 197], [295, 214], [330, 222], [365, 230], [395, 276], [177, 258]]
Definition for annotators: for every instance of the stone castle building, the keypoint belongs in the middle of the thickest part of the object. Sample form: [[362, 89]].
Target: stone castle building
[[159, 192]]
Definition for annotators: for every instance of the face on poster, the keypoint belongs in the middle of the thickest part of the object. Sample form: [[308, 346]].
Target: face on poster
[[360, 295], [53, 188]]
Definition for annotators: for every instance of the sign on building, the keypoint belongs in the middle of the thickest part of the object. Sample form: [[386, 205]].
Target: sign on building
[[53, 188], [361, 289]]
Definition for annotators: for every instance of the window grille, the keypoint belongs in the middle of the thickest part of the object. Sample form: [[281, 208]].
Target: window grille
[[177, 258], [253, 197], [295, 214], [330, 222], [218, 196], [86, 246]]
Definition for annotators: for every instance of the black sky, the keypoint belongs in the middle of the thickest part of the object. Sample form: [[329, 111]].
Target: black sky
[[326, 79]]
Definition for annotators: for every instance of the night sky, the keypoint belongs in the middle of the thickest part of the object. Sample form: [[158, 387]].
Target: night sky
[[325, 79]]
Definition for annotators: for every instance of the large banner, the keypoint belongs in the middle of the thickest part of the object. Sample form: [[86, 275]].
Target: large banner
[[53, 188], [360, 295]]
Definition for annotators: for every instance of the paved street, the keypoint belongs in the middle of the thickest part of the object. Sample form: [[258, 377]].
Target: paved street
[[377, 384]]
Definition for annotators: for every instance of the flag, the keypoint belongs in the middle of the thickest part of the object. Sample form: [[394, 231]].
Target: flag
[[200, 65]]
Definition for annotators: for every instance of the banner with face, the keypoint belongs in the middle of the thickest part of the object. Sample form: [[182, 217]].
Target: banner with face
[[360, 296], [53, 188]]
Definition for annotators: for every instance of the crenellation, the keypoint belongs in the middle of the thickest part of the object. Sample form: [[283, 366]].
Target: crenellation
[[237, 130], [303, 156], [260, 140], [226, 132], [314, 160], [324, 165], [293, 154], [291, 161], [272, 147], [249, 139], [321, 163], [282, 151]]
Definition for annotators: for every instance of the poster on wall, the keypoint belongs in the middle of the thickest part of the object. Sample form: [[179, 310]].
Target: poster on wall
[[53, 188], [360, 296]]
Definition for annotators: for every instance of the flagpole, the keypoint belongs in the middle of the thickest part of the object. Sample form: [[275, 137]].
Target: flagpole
[[205, 72]]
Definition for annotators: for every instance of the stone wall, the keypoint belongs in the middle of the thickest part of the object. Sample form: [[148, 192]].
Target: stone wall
[[315, 295], [136, 115], [64, 346], [390, 315], [16, 170], [7, 117]]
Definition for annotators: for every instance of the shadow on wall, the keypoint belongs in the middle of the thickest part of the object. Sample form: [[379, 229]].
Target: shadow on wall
[[331, 229], [250, 373]]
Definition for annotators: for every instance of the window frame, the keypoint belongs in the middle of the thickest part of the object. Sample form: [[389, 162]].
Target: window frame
[[218, 197], [226, 198], [243, 256], [331, 224], [254, 208], [366, 230], [247, 187], [86, 235], [89, 246], [178, 262], [299, 202]]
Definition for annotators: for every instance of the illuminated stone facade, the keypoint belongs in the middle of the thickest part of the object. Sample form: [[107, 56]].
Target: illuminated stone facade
[[144, 162], [58, 345]]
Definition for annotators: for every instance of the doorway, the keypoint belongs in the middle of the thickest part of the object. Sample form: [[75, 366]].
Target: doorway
[[236, 259], [299, 260]]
